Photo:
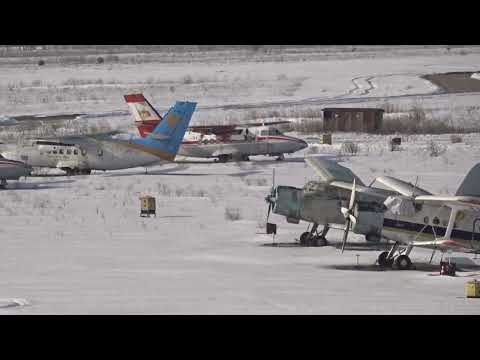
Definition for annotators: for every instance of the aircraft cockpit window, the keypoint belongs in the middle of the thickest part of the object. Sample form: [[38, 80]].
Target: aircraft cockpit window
[[264, 133], [274, 131], [69, 152]]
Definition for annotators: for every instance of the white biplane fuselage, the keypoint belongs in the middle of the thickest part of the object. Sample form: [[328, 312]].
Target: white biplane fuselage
[[404, 214]]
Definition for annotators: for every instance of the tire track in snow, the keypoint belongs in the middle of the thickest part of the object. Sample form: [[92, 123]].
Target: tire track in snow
[[324, 100]]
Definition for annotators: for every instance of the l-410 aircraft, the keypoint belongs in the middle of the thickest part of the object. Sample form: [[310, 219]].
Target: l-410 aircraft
[[405, 214], [110, 151], [12, 170], [223, 142]]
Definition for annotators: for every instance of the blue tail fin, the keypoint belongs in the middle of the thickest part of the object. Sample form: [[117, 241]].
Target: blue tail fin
[[167, 136]]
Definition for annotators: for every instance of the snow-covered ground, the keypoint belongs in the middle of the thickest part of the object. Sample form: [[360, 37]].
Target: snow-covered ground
[[78, 245]]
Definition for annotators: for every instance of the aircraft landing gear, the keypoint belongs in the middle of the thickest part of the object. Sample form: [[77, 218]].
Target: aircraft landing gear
[[3, 184], [401, 259], [403, 262], [281, 157], [76, 171], [224, 158], [313, 238], [245, 158]]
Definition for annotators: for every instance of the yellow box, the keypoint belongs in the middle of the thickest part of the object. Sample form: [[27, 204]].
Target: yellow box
[[327, 139], [472, 289], [147, 205]]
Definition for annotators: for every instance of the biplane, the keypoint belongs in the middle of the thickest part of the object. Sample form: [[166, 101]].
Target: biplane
[[398, 211]]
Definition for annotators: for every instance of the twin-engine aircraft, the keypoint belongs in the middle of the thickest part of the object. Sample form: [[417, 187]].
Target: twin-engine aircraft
[[405, 214], [111, 151], [222, 142], [12, 170]]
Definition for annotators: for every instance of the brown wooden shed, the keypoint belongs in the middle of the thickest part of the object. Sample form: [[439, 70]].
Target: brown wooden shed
[[352, 119]]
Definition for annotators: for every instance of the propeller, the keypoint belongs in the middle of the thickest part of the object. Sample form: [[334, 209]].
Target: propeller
[[270, 197], [349, 217]]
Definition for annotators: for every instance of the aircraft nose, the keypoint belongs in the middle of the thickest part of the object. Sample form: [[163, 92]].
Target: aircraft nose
[[303, 144]]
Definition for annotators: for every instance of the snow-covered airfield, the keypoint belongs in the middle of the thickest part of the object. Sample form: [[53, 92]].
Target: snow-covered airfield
[[77, 244]]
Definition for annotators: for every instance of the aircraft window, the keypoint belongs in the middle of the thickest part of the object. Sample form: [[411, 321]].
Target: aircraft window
[[75, 152], [264, 133], [69, 152], [54, 151], [436, 220], [426, 219], [60, 151], [274, 131]]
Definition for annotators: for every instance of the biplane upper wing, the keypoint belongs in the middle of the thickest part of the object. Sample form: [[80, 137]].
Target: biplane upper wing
[[330, 171], [341, 177], [401, 187]]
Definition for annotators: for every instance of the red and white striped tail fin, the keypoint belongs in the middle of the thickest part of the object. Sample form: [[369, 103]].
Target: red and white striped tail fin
[[146, 117]]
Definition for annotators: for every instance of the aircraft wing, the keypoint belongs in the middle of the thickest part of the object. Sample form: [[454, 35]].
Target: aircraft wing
[[444, 244], [377, 194], [78, 139], [460, 202], [330, 171], [213, 129], [223, 129], [401, 187]]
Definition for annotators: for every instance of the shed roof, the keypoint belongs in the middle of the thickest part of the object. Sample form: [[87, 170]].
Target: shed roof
[[352, 109]]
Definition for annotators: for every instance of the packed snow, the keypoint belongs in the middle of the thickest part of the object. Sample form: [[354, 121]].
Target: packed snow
[[77, 245]]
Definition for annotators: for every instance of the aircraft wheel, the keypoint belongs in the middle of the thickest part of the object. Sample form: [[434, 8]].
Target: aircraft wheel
[[403, 262], [223, 158], [281, 157], [304, 238], [86, 171], [245, 158], [321, 241], [382, 259]]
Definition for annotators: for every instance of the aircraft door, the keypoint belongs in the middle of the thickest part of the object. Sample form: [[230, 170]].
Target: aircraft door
[[263, 142], [475, 243]]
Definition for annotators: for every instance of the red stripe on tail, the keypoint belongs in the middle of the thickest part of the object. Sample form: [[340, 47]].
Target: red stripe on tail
[[133, 98]]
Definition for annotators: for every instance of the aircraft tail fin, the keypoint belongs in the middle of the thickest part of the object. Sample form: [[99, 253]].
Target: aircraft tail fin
[[146, 117], [471, 184], [166, 138]]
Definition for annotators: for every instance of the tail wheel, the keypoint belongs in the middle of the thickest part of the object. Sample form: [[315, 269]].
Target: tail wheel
[[403, 262]]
